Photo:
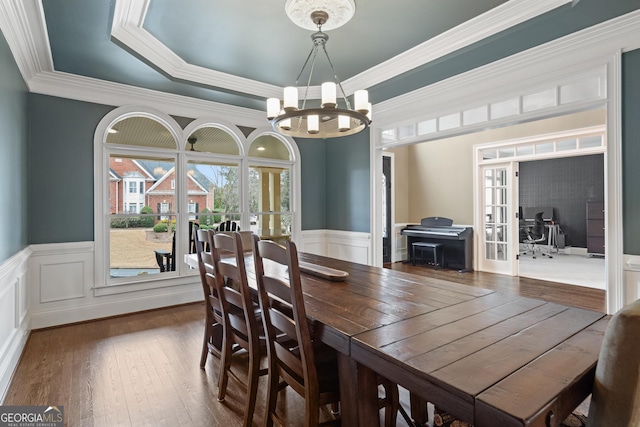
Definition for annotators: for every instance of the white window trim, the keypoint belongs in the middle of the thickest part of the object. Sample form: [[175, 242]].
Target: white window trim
[[182, 156]]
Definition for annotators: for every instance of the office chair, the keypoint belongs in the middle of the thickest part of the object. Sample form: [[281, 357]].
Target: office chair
[[536, 235]]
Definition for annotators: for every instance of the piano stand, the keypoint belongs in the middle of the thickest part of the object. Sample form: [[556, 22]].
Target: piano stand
[[428, 246]]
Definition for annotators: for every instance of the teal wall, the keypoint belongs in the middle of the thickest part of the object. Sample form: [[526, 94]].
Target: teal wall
[[631, 151], [313, 154], [61, 168], [13, 155], [348, 192]]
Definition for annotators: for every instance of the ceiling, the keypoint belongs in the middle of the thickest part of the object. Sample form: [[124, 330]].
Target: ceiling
[[241, 52]]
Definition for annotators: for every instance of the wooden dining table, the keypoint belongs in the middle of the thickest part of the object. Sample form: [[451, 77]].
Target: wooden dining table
[[486, 357]]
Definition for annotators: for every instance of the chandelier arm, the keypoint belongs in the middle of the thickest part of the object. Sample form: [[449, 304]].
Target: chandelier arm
[[305, 63], [335, 76], [313, 63]]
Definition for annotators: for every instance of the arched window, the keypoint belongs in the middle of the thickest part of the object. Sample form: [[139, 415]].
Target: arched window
[[270, 163], [156, 179]]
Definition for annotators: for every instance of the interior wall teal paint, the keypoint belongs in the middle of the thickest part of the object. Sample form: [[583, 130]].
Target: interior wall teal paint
[[313, 183], [14, 136], [348, 193], [631, 151], [61, 168]]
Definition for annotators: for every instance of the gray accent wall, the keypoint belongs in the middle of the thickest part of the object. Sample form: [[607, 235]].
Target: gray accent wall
[[631, 151], [565, 184], [61, 168], [14, 135]]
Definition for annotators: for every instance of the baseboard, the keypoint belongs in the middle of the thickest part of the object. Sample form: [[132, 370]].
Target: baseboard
[[101, 309]]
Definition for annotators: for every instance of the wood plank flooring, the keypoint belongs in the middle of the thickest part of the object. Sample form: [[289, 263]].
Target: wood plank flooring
[[143, 369]]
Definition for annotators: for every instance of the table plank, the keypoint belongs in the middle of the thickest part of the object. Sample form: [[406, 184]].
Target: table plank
[[380, 337], [477, 372], [548, 382]]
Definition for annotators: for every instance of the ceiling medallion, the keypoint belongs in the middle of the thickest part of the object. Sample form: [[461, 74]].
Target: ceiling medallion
[[329, 120], [340, 11]]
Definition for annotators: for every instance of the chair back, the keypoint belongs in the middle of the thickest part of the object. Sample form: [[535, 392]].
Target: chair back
[[616, 391], [538, 227], [228, 225], [203, 255], [230, 278], [290, 346]]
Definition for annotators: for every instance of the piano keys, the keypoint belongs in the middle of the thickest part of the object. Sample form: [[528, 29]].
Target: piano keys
[[457, 240]]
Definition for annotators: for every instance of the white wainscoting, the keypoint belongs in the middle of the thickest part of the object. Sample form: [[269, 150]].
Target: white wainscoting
[[63, 289], [346, 245], [14, 314], [399, 244], [631, 278]]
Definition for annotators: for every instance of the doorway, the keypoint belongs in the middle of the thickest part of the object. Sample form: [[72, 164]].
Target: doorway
[[559, 181], [387, 202]]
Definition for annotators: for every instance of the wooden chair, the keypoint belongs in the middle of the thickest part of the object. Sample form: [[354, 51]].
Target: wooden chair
[[307, 365], [167, 260], [615, 399], [212, 342], [228, 225], [241, 321]]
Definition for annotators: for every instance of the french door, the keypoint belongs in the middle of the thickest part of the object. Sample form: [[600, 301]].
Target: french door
[[498, 235]]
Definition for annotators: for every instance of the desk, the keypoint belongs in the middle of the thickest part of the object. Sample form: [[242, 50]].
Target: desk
[[460, 347]]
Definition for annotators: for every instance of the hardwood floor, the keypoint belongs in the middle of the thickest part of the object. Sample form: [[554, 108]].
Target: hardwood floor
[[143, 369]]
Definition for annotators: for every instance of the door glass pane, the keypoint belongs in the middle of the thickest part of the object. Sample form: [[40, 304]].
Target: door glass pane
[[141, 222], [269, 202], [501, 252], [495, 213], [490, 251]]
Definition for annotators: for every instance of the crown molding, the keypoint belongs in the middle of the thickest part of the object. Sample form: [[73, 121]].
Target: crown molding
[[88, 89], [23, 25], [128, 18], [128, 28]]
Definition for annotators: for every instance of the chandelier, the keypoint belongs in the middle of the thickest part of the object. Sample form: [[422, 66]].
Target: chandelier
[[329, 119]]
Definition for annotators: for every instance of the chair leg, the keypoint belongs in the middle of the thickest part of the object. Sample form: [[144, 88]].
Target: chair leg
[[225, 365], [252, 388], [208, 332], [272, 396], [312, 413]]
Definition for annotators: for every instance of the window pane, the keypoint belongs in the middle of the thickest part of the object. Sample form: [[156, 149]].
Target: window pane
[[525, 150], [213, 192], [545, 147], [591, 141], [212, 139], [141, 222], [269, 201], [269, 147], [567, 144], [141, 131]]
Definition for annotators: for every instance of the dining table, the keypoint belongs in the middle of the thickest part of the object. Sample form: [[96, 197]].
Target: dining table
[[487, 357]]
